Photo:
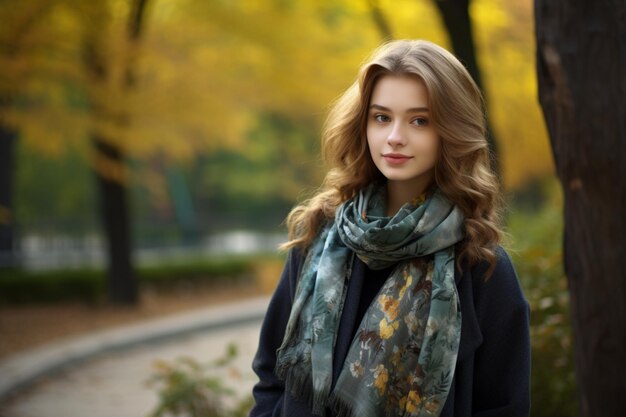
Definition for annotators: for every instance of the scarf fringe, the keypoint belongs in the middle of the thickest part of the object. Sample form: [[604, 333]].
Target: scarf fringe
[[340, 408], [299, 384]]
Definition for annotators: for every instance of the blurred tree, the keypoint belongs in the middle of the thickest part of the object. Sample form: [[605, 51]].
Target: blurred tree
[[456, 18], [19, 21], [380, 20], [581, 62], [113, 75]]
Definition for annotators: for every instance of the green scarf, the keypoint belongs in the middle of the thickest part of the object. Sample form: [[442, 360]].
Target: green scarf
[[402, 359]]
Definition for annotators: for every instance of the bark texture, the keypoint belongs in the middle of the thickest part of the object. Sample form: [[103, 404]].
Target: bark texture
[[581, 68]]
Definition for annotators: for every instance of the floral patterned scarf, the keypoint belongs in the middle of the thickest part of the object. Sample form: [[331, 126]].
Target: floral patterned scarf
[[402, 359]]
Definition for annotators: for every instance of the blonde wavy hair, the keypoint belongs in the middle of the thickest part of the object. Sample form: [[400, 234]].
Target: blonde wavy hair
[[463, 171]]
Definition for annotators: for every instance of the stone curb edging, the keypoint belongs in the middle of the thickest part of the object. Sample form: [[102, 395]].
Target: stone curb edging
[[20, 370]]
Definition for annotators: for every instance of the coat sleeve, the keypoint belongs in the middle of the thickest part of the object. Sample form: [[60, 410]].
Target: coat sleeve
[[268, 393], [502, 362]]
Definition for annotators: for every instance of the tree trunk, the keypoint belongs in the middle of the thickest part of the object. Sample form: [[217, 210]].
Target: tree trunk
[[111, 165], [581, 67], [8, 138], [456, 19], [111, 185], [112, 180]]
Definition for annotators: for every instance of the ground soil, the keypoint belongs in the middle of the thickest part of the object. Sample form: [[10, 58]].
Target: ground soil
[[30, 326]]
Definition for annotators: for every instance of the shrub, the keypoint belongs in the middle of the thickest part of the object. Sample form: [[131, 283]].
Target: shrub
[[19, 286], [187, 388], [536, 242]]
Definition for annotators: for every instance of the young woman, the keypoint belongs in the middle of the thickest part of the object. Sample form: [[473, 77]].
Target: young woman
[[396, 298]]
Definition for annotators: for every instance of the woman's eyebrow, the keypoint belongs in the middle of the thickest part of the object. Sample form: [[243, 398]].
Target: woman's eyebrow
[[411, 110]]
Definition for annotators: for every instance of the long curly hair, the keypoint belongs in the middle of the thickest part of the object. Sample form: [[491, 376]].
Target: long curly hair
[[463, 171]]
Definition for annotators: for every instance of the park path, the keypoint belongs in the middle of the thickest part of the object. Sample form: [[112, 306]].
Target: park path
[[113, 383]]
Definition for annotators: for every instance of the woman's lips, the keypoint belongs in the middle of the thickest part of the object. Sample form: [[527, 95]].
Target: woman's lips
[[396, 158]]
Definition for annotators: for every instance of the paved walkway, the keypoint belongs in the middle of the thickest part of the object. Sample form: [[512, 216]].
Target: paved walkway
[[105, 373]]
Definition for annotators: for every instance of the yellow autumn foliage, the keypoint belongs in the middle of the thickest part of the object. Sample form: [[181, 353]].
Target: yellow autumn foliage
[[205, 72]]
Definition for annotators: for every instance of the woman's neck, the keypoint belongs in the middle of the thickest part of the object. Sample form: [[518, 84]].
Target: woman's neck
[[401, 192]]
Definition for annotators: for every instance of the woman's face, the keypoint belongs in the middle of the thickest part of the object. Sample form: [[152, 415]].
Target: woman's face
[[402, 140]]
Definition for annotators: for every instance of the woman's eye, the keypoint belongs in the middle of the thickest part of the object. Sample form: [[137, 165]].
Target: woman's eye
[[420, 121], [381, 118]]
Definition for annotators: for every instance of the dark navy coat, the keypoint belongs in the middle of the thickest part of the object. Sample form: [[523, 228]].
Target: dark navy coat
[[492, 375]]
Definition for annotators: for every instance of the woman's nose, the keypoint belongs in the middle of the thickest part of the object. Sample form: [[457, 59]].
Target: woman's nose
[[396, 137]]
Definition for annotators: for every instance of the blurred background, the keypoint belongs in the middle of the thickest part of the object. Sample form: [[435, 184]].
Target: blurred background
[[151, 149]]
